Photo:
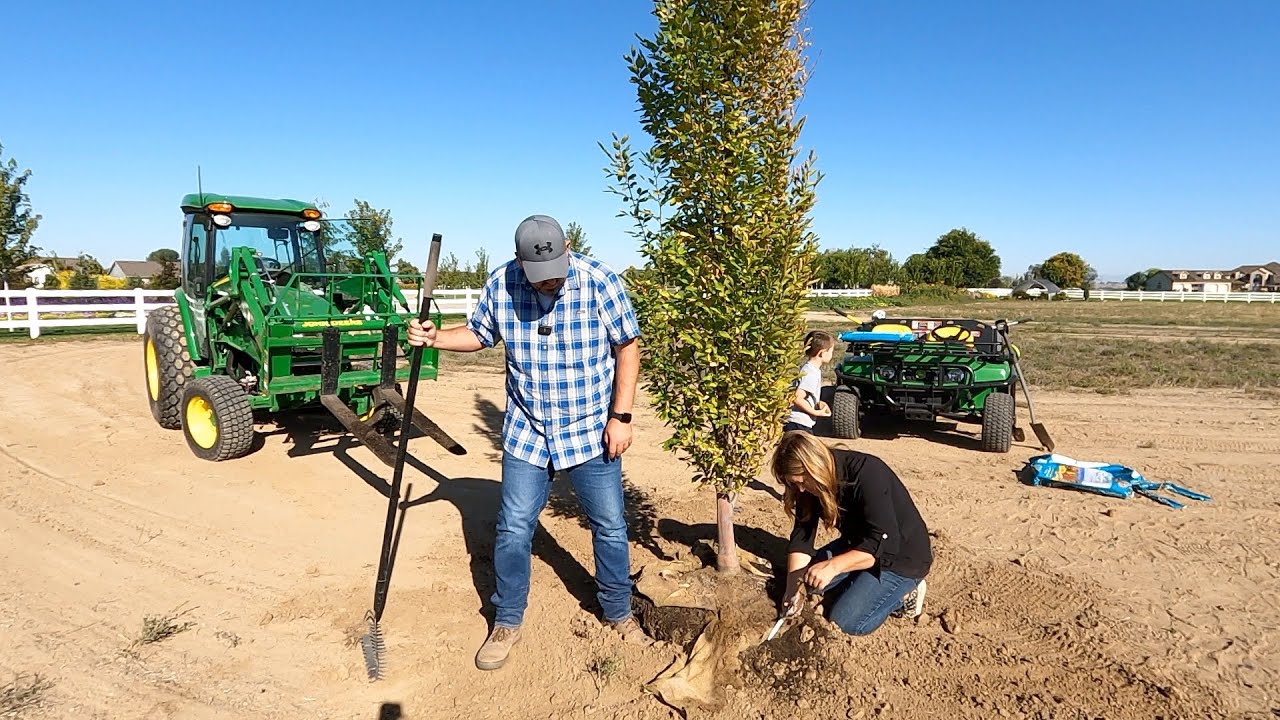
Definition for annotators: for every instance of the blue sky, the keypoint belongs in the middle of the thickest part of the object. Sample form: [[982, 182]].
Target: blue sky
[[1136, 133]]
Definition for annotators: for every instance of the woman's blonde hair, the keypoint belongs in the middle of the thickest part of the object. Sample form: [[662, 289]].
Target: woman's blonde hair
[[817, 341], [800, 453]]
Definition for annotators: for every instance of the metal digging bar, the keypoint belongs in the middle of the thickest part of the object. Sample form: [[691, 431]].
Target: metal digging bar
[[373, 645]]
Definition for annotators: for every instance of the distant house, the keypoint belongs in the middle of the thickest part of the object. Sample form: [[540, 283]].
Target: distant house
[[1197, 281], [1258, 278], [142, 270], [39, 270]]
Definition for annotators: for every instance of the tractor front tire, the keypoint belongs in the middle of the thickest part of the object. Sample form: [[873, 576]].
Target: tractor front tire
[[217, 418], [845, 413], [167, 364], [997, 423]]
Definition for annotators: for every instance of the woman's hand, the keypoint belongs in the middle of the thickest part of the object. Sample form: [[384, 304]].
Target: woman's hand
[[820, 574], [794, 601]]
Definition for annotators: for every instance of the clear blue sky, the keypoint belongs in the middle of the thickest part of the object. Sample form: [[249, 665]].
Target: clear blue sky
[[1136, 133]]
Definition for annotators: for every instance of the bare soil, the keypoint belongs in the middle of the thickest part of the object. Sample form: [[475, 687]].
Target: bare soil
[[1043, 602]]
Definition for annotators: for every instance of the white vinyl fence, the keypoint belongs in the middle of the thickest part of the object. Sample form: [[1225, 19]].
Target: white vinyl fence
[[33, 310], [1145, 296]]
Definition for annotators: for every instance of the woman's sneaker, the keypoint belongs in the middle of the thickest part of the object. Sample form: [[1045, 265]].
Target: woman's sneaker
[[913, 603]]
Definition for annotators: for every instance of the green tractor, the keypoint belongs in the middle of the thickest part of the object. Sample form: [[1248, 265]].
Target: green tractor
[[923, 369], [278, 311]]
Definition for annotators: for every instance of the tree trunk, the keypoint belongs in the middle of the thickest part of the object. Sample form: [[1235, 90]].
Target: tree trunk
[[727, 547]]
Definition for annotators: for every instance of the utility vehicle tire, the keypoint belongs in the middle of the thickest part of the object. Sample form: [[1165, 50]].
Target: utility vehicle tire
[[997, 423], [845, 420], [217, 418], [167, 364]]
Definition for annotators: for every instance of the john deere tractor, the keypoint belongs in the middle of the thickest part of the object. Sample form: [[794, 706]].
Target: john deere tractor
[[278, 311]]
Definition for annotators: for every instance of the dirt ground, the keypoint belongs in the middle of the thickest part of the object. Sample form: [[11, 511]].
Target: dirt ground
[[1043, 602]]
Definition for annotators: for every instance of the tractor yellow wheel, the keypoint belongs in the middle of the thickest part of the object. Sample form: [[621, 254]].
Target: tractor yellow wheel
[[153, 370], [201, 424], [167, 364], [217, 418]]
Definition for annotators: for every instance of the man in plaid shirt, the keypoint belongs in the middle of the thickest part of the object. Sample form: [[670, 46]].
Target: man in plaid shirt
[[572, 357]]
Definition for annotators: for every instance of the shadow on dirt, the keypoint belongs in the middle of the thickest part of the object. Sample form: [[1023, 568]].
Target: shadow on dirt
[[476, 500]]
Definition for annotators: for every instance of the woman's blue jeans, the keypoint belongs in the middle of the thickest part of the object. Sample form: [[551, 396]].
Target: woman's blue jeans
[[864, 599], [525, 488]]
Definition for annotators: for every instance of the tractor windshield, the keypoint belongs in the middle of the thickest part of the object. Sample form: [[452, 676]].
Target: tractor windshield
[[284, 244]]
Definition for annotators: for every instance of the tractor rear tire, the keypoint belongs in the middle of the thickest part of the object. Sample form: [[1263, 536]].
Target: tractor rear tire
[[167, 365], [217, 418], [997, 422], [845, 413]]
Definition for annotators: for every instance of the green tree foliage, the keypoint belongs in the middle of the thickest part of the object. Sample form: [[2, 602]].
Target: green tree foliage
[[1066, 270], [169, 277], [163, 255], [1138, 280], [855, 268], [86, 275], [18, 222], [722, 216], [454, 275], [959, 258], [577, 238], [404, 267], [371, 231]]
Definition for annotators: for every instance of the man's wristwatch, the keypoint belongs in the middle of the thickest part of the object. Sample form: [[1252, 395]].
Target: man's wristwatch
[[624, 417]]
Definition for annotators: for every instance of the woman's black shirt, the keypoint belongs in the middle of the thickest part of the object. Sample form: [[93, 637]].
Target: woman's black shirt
[[877, 516]]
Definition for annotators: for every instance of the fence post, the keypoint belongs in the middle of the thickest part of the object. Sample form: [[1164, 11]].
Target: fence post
[[140, 309], [473, 296], [8, 306], [33, 314]]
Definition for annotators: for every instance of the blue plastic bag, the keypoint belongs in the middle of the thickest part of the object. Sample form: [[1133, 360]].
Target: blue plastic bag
[[1112, 480]]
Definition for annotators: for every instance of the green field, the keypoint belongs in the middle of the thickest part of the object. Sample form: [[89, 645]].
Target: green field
[[1120, 346]]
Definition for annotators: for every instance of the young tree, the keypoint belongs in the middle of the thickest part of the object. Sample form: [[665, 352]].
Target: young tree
[[85, 276], [17, 222], [169, 277], [722, 215], [577, 238], [481, 273], [371, 231]]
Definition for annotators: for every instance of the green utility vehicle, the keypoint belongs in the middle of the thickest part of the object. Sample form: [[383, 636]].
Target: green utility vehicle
[[924, 369], [278, 311]]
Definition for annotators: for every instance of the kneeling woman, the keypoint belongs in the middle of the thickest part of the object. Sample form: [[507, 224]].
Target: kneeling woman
[[878, 563]]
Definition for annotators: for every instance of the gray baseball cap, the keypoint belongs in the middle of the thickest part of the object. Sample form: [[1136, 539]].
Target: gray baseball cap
[[540, 245]]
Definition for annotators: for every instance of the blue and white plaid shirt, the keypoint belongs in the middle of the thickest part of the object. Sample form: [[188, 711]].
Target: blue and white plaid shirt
[[559, 385]]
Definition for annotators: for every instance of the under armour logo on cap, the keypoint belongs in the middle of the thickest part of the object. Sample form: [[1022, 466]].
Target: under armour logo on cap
[[541, 248]]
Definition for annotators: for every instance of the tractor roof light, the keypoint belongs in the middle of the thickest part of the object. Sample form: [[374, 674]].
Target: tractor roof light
[[311, 214], [219, 207], [222, 220]]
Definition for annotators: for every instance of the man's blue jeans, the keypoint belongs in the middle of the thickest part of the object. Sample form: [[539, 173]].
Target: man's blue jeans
[[525, 488], [866, 598]]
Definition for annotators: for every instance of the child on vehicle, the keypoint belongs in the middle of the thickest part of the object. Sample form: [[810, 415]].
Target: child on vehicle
[[806, 405]]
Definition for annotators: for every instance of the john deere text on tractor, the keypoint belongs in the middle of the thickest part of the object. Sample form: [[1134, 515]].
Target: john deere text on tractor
[[277, 311]]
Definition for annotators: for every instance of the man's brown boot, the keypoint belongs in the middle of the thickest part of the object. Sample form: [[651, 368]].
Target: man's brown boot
[[495, 650]]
